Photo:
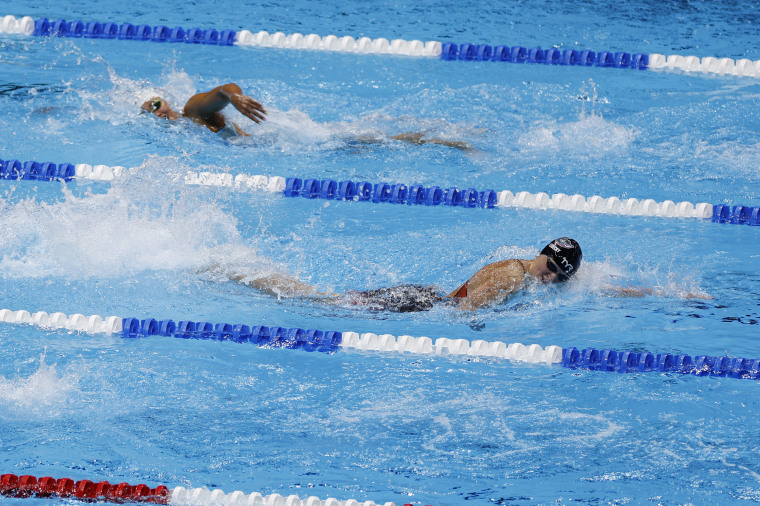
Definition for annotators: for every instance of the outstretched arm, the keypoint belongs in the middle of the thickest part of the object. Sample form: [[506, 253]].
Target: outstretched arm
[[637, 292], [205, 106], [419, 139], [281, 285]]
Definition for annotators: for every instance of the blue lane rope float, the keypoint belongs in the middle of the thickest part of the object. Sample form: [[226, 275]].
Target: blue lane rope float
[[433, 49], [551, 56], [36, 171], [274, 337], [125, 31], [330, 341], [402, 194]]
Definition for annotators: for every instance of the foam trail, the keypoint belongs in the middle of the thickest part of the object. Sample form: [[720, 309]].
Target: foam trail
[[148, 220], [45, 391], [589, 135]]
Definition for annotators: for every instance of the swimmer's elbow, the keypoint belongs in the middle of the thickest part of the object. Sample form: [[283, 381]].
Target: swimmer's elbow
[[230, 89]]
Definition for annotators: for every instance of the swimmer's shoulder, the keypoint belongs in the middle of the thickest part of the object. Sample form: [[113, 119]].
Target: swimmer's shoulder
[[492, 284], [512, 267], [504, 274]]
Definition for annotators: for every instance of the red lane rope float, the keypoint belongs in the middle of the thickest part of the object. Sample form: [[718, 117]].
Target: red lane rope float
[[31, 486]]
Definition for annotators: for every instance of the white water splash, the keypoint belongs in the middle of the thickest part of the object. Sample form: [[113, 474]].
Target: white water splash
[[590, 135], [148, 221], [45, 391]]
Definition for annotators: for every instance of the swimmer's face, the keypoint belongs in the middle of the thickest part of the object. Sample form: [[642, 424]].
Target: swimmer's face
[[545, 270], [159, 107]]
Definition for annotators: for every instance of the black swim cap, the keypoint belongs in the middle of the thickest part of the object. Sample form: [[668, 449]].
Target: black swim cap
[[567, 254]]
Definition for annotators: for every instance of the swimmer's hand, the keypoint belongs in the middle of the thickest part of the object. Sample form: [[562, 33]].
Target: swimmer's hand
[[248, 107]]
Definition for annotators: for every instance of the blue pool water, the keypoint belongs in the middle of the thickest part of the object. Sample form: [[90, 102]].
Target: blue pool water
[[425, 430]]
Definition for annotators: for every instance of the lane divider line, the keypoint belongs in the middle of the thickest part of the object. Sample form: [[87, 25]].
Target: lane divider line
[[551, 56], [27, 486], [402, 194], [311, 340], [364, 45]]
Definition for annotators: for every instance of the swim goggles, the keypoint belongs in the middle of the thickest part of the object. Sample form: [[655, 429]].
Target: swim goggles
[[552, 266], [155, 105]]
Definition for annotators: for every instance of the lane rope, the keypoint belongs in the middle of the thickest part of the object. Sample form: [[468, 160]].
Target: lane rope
[[402, 194], [365, 45], [311, 340], [27, 486]]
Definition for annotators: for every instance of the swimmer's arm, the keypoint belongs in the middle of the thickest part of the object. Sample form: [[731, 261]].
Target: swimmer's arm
[[281, 285], [418, 139], [638, 292], [620, 291], [205, 105]]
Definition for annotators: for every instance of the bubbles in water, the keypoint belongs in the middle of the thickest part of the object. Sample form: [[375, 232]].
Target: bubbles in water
[[590, 135], [121, 102], [149, 220], [46, 391], [612, 278], [290, 130], [586, 427]]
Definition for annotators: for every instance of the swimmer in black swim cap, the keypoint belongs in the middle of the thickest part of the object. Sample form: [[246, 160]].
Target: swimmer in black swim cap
[[490, 285], [563, 257], [493, 283]]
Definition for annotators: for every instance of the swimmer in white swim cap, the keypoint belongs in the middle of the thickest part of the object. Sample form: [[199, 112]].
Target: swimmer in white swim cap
[[205, 108]]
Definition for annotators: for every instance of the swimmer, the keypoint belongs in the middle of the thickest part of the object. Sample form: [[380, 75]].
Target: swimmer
[[491, 285], [205, 109], [494, 283]]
